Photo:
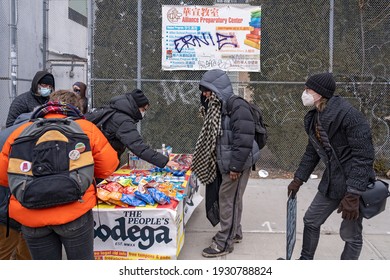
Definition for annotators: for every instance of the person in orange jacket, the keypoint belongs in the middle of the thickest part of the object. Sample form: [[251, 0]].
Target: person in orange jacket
[[70, 225]]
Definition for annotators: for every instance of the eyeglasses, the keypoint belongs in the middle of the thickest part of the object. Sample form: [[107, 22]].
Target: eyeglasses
[[77, 90]]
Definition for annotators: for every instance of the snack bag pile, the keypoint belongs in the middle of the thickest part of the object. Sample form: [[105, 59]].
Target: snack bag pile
[[145, 187]]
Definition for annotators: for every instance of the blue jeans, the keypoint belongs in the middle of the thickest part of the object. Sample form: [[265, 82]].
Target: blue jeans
[[45, 243], [317, 213]]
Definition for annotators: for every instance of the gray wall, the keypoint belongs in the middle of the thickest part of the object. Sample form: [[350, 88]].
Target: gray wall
[[66, 47]]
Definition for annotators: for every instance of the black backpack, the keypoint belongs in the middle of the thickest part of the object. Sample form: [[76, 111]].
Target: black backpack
[[99, 116], [261, 135], [50, 163]]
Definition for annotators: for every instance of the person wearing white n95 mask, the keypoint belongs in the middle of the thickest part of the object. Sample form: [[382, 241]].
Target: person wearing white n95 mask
[[339, 136], [310, 97]]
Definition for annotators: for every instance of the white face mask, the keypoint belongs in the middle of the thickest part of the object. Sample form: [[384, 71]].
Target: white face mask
[[307, 99], [143, 114]]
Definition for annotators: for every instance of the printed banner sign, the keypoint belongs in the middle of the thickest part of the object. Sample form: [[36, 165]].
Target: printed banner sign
[[209, 37]]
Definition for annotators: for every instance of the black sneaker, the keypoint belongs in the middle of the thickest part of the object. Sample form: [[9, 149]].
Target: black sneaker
[[215, 251], [237, 239]]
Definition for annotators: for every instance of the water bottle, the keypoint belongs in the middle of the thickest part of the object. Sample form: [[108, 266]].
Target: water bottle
[[164, 150], [132, 160]]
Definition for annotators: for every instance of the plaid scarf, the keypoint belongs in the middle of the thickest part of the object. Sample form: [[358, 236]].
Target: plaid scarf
[[57, 108], [204, 161]]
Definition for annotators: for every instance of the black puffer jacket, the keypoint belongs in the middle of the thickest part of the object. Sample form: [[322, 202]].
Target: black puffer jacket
[[122, 131], [350, 136], [26, 102], [236, 148]]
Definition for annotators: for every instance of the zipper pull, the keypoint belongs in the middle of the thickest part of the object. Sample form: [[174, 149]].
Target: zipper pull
[[24, 185], [78, 177]]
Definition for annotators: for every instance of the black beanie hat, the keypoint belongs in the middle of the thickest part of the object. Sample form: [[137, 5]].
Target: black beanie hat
[[47, 79], [203, 88], [140, 99], [324, 84]]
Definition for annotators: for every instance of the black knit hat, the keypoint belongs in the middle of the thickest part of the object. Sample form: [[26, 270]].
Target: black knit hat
[[203, 88], [140, 99], [47, 79], [324, 84]]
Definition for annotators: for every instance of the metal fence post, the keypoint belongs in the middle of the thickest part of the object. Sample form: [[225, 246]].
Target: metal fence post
[[45, 28], [139, 49], [331, 25], [91, 20], [13, 50]]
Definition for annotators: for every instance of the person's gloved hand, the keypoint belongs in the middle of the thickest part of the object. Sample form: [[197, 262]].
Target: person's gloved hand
[[349, 205], [294, 186]]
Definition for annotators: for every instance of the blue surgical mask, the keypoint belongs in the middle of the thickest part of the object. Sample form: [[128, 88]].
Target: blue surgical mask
[[44, 92]]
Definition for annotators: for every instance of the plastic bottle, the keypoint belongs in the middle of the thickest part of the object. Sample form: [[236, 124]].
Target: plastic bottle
[[164, 150], [132, 160]]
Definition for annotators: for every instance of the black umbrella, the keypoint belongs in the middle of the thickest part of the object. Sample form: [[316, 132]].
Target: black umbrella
[[212, 200], [291, 225]]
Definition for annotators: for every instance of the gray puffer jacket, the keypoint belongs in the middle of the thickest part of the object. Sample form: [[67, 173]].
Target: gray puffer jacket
[[350, 136], [122, 127], [236, 147]]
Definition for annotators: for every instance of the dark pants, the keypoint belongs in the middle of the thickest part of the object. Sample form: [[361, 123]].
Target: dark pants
[[45, 243], [350, 231], [231, 195]]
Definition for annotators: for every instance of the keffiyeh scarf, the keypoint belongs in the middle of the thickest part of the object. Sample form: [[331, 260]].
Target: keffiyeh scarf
[[204, 162]]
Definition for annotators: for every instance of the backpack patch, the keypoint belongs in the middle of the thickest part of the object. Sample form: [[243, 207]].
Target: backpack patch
[[261, 134], [50, 164]]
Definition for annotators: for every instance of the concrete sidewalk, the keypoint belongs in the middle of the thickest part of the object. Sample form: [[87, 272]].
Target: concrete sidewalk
[[264, 227]]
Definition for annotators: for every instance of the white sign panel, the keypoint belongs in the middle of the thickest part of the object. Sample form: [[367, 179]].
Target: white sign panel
[[138, 233], [209, 37]]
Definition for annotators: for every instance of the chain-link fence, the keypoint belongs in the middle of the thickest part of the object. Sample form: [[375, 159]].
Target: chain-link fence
[[350, 38]]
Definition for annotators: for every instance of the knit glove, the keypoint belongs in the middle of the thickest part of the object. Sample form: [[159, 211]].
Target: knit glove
[[349, 206], [294, 186]]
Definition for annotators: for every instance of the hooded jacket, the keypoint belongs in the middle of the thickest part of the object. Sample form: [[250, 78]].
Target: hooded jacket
[[105, 162], [26, 102], [236, 147], [83, 95], [350, 136], [122, 131]]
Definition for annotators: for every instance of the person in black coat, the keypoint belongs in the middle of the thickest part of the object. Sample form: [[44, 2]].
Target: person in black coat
[[42, 86], [224, 154], [121, 129], [340, 136]]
